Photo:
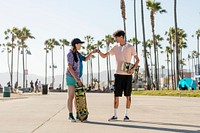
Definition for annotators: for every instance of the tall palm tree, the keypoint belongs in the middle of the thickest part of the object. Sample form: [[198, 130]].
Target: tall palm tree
[[149, 44], [171, 40], [47, 49], [63, 43], [147, 75], [162, 67], [135, 22], [51, 45], [23, 35], [198, 35], [123, 11], [177, 47], [154, 7], [108, 40], [99, 45], [194, 55], [10, 34], [168, 50], [89, 41], [158, 39]]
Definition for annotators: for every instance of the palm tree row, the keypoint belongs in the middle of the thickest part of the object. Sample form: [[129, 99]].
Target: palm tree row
[[16, 37]]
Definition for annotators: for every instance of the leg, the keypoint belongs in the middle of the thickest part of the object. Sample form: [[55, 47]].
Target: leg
[[128, 102], [116, 102], [71, 93]]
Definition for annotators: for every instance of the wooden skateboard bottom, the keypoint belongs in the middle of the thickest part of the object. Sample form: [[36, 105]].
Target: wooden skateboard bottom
[[81, 104]]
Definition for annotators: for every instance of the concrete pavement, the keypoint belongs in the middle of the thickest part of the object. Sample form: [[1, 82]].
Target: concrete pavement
[[48, 114]]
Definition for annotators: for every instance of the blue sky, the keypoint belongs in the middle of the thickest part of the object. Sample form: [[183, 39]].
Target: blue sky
[[77, 18]]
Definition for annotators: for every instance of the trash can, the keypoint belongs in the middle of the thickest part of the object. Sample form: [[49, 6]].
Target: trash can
[[45, 89], [6, 91]]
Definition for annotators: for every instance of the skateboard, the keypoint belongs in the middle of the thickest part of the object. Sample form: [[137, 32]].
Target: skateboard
[[126, 66], [81, 103]]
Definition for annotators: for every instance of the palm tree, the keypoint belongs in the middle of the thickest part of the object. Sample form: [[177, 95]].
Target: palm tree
[[194, 55], [64, 43], [23, 35], [10, 33], [168, 50], [46, 43], [123, 11], [51, 45], [108, 40], [134, 42], [89, 41], [135, 21], [149, 44], [99, 45], [177, 47], [154, 7], [171, 40], [147, 75], [162, 67], [198, 35], [158, 38]]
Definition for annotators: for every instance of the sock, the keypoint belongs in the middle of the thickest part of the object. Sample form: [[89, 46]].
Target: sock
[[115, 112], [126, 111]]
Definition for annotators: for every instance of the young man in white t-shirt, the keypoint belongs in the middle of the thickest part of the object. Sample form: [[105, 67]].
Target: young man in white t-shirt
[[123, 80]]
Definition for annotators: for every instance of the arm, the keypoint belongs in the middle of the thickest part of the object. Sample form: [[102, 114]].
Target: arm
[[90, 54], [136, 64], [74, 75], [103, 55]]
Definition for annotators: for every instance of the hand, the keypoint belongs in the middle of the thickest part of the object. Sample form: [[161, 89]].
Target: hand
[[131, 71], [79, 82], [96, 51]]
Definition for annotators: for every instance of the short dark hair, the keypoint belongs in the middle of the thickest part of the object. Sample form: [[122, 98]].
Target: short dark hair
[[119, 33]]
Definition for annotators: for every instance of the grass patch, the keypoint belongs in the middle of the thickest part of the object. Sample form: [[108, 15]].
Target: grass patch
[[182, 93]]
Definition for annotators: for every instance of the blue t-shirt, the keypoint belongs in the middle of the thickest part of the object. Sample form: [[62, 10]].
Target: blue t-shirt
[[76, 66], [82, 58]]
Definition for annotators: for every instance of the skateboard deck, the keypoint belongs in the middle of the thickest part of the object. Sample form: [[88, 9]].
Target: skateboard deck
[[81, 103]]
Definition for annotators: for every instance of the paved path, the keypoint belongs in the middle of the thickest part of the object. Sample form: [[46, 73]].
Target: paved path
[[48, 114]]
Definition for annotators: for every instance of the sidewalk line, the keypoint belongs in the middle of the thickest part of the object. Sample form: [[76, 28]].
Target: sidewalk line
[[48, 119]]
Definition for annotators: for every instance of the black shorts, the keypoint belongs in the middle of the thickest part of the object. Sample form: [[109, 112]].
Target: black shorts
[[123, 83]]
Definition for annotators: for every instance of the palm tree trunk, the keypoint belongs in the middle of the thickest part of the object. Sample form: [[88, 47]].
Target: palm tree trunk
[[87, 75], [155, 51], [46, 67], [23, 60], [110, 70], [136, 43], [177, 48], [168, 71], [198, 72], [63, 78], [52, 69], [11, 75], [158, 65], [91, 73], [18, 65], [98, 72], [147, 75]]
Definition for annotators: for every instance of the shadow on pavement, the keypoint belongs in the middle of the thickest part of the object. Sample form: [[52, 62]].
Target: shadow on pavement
[[142, 127]]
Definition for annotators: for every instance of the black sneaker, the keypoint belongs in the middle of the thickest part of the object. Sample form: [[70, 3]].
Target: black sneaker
[[71, 118], [126, 118], [76, 116], [113, 118]]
